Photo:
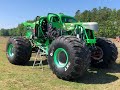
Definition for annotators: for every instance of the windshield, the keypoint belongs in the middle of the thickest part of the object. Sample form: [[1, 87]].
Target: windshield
[[68, 20]]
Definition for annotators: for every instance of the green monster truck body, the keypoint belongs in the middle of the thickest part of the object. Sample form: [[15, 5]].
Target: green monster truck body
[[70, 46], [64, 25]]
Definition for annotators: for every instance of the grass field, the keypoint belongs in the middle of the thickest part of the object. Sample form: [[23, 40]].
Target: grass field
[[27, 78]]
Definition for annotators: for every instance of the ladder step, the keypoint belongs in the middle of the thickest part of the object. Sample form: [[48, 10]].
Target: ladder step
[[38, 56]]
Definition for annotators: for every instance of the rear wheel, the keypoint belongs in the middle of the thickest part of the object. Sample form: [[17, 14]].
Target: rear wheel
[[10, 50], [18, 50], [68, 57], [105, 53]]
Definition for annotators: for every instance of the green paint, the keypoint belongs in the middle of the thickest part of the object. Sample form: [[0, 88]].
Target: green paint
[[29, 24], [60, 22], [28, 34], [10, 50], [57, 58]]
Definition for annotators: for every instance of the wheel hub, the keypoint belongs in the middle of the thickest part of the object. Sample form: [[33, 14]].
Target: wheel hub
[[10, 50], [60, 57], [97, 53]]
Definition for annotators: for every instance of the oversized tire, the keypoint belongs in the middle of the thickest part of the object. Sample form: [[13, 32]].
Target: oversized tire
[[68, 57], [106, 55], [18, 50]]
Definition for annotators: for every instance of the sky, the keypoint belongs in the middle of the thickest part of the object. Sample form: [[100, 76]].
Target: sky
[[14, 12]]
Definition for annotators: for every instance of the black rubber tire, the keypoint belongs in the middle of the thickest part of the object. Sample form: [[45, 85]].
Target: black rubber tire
[[78, 57], [22, 50], [110, 54]]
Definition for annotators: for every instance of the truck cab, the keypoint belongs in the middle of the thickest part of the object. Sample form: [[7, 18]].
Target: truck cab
[[52, 21]]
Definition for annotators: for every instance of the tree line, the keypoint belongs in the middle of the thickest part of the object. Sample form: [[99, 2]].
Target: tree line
[[18, 31], [108, 20]]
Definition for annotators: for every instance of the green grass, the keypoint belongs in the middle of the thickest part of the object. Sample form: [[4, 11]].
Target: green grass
[[14, 77]]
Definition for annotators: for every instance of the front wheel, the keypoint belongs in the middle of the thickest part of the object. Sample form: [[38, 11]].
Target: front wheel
[[68, 57]]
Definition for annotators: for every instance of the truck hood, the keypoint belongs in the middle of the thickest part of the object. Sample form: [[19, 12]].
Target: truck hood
[[86, 25]]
